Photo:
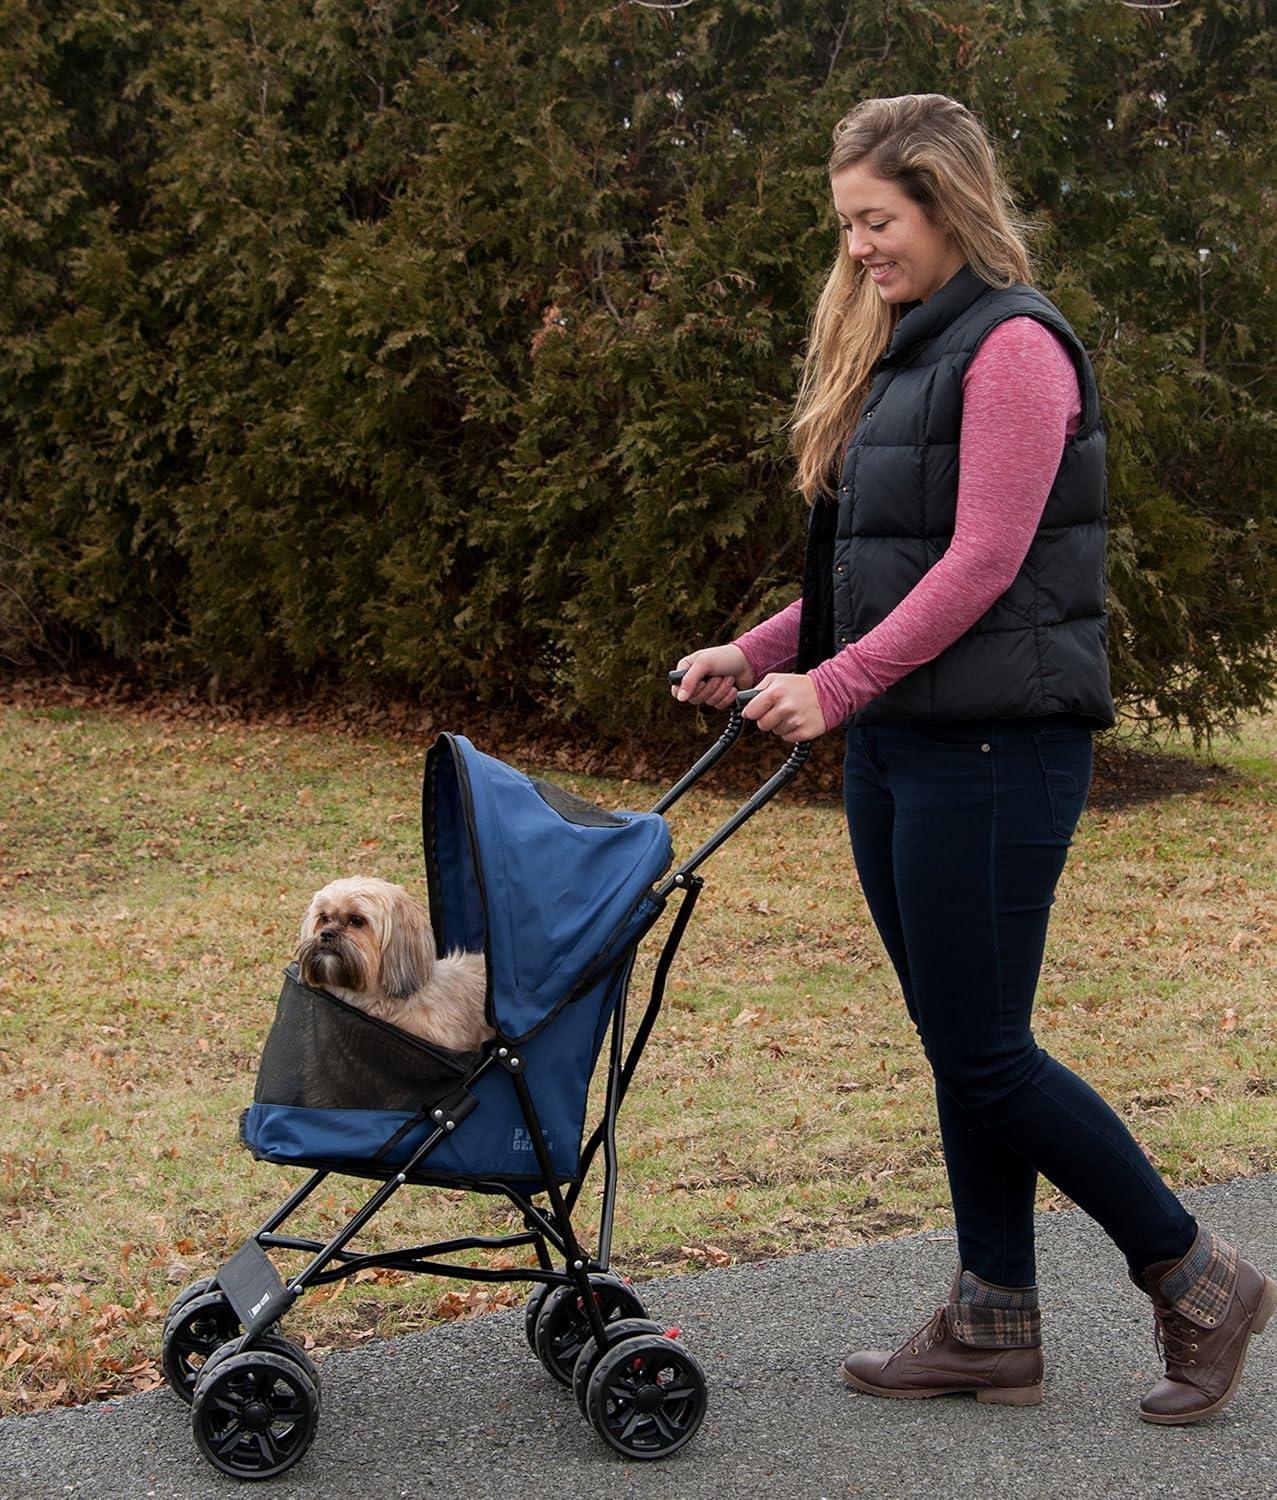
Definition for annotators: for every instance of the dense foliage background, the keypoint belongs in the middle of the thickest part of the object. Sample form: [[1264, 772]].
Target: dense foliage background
[[448, 345]]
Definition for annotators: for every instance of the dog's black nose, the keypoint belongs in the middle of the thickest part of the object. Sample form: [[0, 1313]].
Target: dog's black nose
[[327, 934]]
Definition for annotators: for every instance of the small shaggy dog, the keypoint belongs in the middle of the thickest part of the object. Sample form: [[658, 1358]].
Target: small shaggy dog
[[369, 943]]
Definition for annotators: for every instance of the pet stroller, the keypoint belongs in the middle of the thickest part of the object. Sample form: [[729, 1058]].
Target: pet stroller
[[557, 893]]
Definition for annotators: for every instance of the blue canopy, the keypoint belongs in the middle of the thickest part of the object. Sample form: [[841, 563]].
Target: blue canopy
[[548, 886]]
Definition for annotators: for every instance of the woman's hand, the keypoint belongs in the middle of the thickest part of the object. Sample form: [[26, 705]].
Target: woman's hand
[[715, 674], [787, 705]]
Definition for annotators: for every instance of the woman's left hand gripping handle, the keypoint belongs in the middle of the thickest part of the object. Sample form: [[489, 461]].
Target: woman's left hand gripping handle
[[712, 676]]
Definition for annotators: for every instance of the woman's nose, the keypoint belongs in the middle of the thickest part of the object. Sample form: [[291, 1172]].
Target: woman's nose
[[858, 243]]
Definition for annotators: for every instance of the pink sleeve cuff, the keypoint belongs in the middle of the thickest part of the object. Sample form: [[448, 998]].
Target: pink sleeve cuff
[[772, 646]]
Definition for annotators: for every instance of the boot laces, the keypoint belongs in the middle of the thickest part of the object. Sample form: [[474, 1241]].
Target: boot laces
[[1174, 1338], [932, 1332]]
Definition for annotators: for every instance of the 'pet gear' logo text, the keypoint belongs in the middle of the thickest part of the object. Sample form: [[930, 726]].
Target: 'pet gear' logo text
[[521, 1140]]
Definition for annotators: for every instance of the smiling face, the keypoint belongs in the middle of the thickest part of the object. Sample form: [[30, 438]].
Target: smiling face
[[907, 257]]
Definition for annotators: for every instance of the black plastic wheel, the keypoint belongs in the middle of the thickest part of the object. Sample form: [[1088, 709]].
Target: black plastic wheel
[[191, 1334], [188, 1294], [563, 1325], [646, 1397], [278, 1344], [271, 1343], [531, 1312], [623, 1328], [255, 1414]]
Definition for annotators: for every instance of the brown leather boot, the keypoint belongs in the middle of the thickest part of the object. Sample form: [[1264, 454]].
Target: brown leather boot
[[1205, 1307], [994, 1351]]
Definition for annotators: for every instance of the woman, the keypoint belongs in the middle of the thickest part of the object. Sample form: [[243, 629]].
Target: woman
[[952, 615]]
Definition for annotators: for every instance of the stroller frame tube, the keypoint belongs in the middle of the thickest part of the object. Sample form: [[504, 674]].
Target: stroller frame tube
[[797, 758], [711, 757], [690, 892]]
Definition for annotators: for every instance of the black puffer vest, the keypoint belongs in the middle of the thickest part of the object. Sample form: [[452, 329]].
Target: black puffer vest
[[1041, 648]]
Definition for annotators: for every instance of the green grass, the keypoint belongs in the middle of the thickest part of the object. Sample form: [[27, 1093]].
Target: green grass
[[154, 871]]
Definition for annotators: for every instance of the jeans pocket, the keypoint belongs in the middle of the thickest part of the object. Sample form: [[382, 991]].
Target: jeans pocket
[[1065, 756]]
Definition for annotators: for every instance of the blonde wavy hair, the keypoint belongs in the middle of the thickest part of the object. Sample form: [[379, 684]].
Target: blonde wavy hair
[[935, 150]]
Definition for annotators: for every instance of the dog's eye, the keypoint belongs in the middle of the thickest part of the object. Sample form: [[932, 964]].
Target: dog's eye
[[357, 921]]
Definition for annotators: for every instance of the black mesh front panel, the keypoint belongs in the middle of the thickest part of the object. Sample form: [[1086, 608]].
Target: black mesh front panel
[[324, 1054]]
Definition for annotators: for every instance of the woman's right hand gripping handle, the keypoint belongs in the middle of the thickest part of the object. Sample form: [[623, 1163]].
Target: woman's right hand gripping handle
[[713, 676]]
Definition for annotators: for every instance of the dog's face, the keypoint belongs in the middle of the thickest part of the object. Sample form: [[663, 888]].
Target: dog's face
[[366, 936]]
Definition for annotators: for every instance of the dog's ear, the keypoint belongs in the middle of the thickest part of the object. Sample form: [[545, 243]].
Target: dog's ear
[[407, 948], [308, 920]]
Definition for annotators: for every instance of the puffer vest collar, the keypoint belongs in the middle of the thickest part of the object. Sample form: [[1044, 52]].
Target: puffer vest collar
[[923, 320]]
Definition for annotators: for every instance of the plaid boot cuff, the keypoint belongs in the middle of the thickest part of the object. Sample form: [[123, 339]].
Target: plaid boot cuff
[[1201, 1286], [995, 1317], [995, 1327]]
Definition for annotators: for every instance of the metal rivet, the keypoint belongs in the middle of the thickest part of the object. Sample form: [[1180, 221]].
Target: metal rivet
[[503, 1052], [401, 1178], [985, 748], [678, 880], [450, 1125], [438, 1114]]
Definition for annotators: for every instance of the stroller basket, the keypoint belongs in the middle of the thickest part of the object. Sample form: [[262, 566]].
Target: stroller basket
[[341, 1090], [557, 894]]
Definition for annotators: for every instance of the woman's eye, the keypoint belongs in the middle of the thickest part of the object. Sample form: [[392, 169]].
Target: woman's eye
[[877, 228]]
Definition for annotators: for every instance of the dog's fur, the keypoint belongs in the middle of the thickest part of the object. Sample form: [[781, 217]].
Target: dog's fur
[[369, 943]]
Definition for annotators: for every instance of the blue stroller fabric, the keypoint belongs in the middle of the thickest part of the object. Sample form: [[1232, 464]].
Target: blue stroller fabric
[[544, 882], [556, 893]]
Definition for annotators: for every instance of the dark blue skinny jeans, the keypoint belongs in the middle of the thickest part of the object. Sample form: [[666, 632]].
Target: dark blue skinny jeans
[[960, 832]]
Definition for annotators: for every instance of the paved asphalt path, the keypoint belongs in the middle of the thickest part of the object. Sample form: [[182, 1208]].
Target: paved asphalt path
[[465, 1411]]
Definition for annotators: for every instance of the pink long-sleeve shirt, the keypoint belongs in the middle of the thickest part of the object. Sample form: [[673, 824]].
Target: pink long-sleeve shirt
[[1020, 402]]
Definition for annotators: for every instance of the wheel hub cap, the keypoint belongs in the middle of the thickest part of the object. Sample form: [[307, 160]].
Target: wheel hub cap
[[256, 1416], [649, 1398]]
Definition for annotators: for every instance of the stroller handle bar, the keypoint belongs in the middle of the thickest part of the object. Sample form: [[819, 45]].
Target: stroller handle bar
[[745, 695], [736, 723]]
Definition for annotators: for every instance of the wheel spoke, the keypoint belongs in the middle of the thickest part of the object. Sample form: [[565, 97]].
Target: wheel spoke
[[663, 1426], [635, 1421], [228, 1440]]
